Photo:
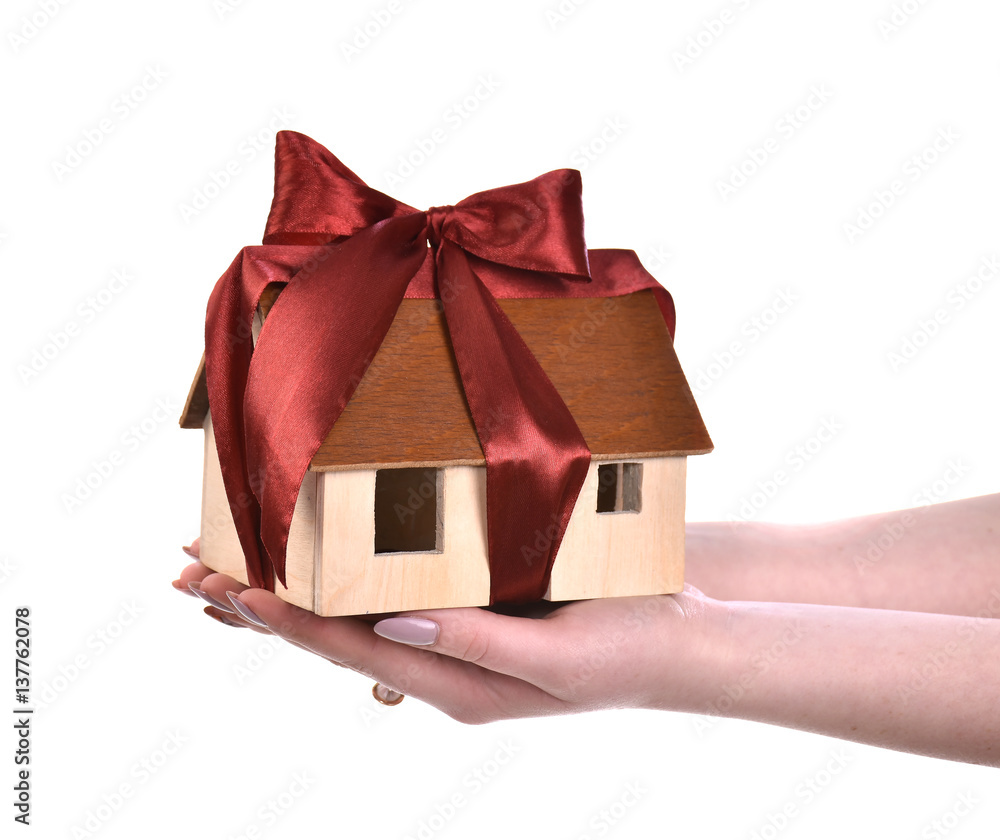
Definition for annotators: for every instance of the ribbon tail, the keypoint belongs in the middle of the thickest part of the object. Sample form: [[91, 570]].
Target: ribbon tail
[[312, 352], [228, 349], [536, 457]]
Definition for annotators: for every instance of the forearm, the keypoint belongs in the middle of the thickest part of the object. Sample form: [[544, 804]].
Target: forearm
[[918, 682], [940, 558]]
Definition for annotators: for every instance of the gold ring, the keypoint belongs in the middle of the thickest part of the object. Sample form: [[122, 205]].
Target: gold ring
[[392, 698]]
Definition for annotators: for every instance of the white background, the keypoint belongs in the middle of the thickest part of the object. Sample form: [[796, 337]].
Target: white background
[[123, 664]]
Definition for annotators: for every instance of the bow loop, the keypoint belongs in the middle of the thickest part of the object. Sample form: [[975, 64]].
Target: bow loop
[[317, 199], [536, 225]]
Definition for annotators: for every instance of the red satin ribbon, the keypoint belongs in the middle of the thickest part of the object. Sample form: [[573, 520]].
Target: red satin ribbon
[[349, 255]]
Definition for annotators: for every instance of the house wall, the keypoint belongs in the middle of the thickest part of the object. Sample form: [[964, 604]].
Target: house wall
[[611, 555], [220, 546], [355, 580], [602, 555], [332, 537]]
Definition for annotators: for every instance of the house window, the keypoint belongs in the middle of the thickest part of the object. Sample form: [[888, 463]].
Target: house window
[[619, 488], [407, 510]]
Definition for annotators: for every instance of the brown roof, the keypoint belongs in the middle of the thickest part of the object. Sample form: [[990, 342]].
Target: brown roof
[[611, 359]]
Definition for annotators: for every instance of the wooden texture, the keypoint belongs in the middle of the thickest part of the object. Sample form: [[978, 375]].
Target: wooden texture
[[355, 580], [611, 359], [613, 555], [332, 538], [303, 543], [220, 546], [196, 405]]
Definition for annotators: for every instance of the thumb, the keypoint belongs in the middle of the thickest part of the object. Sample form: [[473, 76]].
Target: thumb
[[519, 647]]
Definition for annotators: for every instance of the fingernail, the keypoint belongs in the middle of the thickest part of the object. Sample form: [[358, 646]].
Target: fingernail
[[408, 630], [180, 587], [201, 593], [221, 618], [245, 611], [187, 550]]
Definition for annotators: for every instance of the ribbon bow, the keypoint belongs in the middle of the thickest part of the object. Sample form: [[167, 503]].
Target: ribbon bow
[[348, 254]]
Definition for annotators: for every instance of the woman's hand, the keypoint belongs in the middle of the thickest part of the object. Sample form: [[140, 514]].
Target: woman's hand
[[477, 665], [915, 681]]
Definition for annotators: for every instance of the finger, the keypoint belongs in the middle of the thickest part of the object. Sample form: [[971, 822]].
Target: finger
[[587, 653], [519, 647], [194, 573], [191, 582], [224, 618], [213, 588], [181, 587], [461, 689]]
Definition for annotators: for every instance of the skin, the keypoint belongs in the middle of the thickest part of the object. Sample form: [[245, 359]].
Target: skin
[[821, 628]]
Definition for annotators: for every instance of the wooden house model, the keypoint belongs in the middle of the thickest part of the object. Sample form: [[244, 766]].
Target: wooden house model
[[392, 512]]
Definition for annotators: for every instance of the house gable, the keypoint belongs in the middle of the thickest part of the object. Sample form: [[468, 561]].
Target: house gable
[[611, 359]]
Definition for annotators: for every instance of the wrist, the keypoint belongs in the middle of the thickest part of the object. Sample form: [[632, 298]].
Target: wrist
[[698, 655]]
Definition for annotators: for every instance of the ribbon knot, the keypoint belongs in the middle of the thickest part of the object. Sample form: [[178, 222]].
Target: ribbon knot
[[273, 404], [436, 217]]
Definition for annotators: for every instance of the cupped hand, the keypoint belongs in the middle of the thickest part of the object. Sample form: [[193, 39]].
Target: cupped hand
[[480, 665]]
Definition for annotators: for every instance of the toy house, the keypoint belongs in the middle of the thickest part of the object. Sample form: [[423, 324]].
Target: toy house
[[392, 512]]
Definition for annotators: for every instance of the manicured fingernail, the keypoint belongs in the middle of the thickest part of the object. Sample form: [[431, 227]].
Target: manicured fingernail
[[409, 630], [187, 550], [201, 593], [180, 587], [221, 618], [245, 611]]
